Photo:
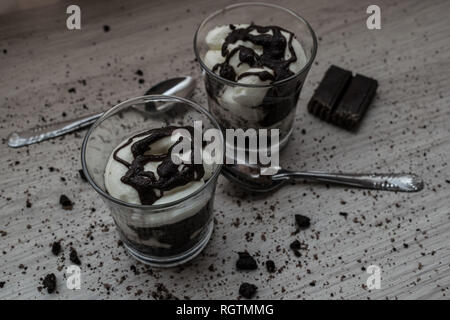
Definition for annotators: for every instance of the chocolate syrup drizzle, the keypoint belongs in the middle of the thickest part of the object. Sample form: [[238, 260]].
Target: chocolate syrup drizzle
[[274, 47], [170, 174]]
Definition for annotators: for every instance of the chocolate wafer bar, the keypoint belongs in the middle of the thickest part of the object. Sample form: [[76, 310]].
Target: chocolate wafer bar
[[355, 102], [329, 92], [342, 99]]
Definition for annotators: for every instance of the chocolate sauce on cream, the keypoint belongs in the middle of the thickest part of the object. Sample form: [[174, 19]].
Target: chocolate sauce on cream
[[274, 47], [170, 174]]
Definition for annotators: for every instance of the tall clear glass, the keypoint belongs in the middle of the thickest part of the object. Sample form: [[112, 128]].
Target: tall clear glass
[[274, 104], [159, 235]]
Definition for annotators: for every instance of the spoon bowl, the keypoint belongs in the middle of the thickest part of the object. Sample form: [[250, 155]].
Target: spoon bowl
[[249, 178], [180, 86]]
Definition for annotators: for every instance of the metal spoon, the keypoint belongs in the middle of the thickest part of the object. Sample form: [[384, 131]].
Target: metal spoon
[[250, 178], [180, 86]]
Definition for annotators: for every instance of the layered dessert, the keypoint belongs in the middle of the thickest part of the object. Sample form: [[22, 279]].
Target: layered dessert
[[250, 55], [141, 171]]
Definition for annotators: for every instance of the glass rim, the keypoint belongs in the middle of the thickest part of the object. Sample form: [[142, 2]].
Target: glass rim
[[263, 4], [130, 102]]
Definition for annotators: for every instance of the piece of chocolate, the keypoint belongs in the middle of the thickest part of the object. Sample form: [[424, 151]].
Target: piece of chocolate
[[247, 290], [246, 262], [302, 222], [270, 265], [49, 282], [344, 214], [295, 245], [297, 253], [65, 202], [74, 256], [56, 248], [355, 102], [342, 99], [329, 92]]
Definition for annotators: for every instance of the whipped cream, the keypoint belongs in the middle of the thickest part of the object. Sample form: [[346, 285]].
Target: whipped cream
[[215, 39], [115, 170], [227, 50]]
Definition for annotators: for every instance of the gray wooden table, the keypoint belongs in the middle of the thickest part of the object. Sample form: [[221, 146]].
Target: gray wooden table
[[406, 129]]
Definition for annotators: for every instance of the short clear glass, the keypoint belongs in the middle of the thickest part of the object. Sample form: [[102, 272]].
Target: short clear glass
[[277, 108], [159, 235]]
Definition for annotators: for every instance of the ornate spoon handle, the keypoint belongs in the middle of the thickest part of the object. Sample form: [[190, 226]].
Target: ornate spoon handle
[[389, 182], [37, 134]]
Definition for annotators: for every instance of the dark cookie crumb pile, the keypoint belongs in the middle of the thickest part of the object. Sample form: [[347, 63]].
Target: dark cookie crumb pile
[[106, 28], [302, 221], [56, 248], [49, 282], [65, 202], [246, 262], [2, 284], [74, 256], [270, 265], [247, 290]]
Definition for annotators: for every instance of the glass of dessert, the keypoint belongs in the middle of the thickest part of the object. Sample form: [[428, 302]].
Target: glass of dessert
[[255, 58], [162, 208]]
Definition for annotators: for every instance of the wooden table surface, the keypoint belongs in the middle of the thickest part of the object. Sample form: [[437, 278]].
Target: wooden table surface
[[406, 129]]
